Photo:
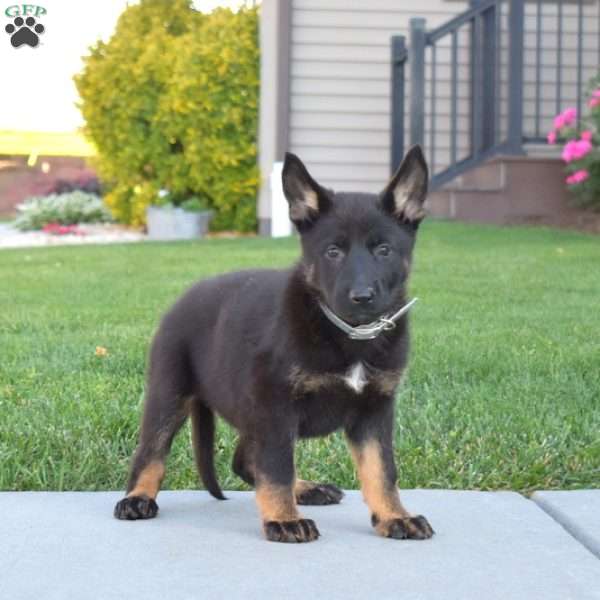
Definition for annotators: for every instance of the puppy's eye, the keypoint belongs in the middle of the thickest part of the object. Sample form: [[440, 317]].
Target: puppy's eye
[[333, 252], [383, 250]]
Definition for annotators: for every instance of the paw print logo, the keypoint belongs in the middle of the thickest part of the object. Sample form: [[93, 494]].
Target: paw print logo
[[24, 32]]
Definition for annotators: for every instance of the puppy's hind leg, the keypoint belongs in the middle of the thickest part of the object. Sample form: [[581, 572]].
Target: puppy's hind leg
[[317, 494], [243, 461], [165, 410]]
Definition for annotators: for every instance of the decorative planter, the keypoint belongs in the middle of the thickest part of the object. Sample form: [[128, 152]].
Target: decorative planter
[[167, 223]]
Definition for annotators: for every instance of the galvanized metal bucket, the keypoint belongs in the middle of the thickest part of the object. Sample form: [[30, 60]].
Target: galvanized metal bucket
[[168, 223]]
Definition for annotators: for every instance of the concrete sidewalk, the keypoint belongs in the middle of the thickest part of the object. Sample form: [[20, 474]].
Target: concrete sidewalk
[[487, 545], [578, 512]]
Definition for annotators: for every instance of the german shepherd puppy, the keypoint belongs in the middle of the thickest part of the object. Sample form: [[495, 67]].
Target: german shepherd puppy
[[296, 353]]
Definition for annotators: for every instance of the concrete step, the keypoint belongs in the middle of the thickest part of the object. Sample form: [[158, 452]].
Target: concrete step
[[490, 176], [487, 545], [512, 190], [543, 150]]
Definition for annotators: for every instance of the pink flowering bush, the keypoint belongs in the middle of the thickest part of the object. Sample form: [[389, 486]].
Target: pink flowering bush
[[581, 148], [58, 229]]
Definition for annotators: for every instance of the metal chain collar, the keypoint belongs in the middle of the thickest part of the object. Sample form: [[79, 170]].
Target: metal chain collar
[[368, 331]]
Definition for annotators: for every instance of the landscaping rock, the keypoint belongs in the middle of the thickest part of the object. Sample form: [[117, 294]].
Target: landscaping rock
[[10, 237]]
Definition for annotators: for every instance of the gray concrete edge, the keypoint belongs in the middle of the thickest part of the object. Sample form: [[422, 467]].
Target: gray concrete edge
[[572, 528]]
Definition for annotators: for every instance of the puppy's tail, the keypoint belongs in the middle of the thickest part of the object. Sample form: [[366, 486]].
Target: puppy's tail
[[203, 436]]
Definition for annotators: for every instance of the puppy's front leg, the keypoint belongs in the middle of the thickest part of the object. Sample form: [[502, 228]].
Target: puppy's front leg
[[275, 479], [370, 438]]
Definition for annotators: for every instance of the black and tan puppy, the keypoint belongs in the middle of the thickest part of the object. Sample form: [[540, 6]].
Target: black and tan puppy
[[289, 354]]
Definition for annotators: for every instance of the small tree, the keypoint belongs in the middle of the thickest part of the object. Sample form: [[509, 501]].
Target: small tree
[[171, 101]]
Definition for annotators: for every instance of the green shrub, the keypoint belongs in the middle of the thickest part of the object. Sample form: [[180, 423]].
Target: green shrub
[[171, 102], [67, 209], [194, 204]]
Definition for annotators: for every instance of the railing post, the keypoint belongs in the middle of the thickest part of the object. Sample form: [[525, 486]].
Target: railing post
[[483, 78], [515, 85], [417, 81], [477, 90], [398, 60], [489, 78]]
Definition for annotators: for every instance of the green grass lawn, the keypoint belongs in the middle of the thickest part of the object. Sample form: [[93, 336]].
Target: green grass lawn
[[503, 390]]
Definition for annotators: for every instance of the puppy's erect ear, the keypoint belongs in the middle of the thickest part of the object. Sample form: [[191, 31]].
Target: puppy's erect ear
[[307, 199], [404, 195]]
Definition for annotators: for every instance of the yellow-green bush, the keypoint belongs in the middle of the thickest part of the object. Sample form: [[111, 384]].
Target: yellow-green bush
[[171, 101]]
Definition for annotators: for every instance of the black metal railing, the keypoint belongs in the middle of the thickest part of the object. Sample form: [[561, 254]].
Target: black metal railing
[[481, 58]]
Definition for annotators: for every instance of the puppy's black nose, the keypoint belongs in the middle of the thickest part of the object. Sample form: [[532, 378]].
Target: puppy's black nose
[[362, 295]]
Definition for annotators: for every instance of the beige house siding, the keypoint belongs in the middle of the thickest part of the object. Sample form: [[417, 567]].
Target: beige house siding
[[340, 84], [337, 83]]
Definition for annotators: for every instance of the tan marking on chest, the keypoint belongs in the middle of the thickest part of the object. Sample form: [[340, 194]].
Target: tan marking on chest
[[305, 381], [388, 381], [357, 377]]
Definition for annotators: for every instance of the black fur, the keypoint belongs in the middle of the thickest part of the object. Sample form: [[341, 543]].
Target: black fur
[[303, 530], [136, 507], [255, 347]]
